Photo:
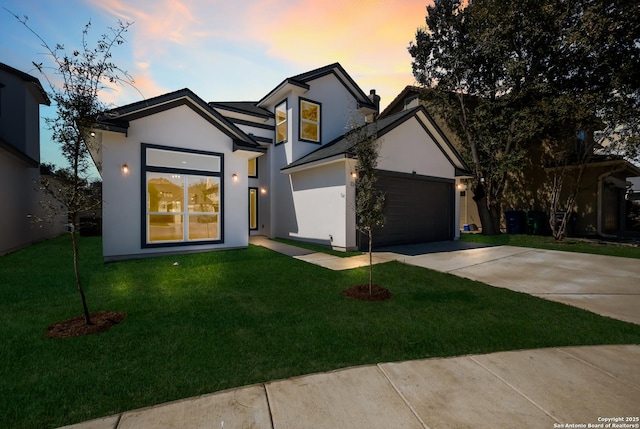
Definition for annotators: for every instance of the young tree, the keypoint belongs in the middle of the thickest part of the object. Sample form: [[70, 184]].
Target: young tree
[[75, 79], [369, 200]]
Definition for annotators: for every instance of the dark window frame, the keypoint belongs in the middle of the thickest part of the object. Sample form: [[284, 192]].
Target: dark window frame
[[257, 170], [257, 207], [155, 169], [306, 100], [286, 121]]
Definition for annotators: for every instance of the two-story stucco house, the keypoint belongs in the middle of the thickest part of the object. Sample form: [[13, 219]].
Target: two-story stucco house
[[182, 175]]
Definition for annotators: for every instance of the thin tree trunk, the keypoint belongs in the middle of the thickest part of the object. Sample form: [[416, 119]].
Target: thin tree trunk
[[370, 262], [76, 267]]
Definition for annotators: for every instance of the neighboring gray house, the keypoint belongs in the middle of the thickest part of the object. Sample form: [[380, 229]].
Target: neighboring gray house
[[20, 98]]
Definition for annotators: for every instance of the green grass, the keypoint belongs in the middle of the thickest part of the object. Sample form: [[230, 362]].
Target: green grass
[[225, 319], [549, 243], [317, 248]]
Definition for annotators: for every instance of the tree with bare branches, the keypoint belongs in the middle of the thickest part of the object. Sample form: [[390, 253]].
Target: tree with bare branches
[[75, 79]]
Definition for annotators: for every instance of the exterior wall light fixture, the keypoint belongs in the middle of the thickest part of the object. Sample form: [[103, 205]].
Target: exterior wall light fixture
[[354, 174], [234, 176], [125, 169], [263, 190]]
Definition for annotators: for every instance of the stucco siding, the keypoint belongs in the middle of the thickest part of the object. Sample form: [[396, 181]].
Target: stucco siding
[[408, 149], [122, 193], [320, 203]]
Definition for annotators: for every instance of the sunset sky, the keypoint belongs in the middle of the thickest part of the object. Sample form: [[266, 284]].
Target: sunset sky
[[223, 50]]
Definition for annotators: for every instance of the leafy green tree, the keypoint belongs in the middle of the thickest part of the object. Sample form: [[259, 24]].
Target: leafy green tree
[[369, 200], [75, 78], [506, 75]]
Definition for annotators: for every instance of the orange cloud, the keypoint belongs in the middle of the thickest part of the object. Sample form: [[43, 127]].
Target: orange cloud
[[368, 37]]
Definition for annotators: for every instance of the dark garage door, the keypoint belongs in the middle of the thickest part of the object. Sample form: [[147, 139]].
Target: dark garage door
[[418, 209]]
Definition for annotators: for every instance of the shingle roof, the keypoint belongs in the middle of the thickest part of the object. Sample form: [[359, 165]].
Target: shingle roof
[[301, 80], [344, 146], [118, 119], [248, 107]]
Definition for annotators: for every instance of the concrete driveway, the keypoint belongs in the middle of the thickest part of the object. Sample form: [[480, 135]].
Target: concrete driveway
[[606, 285]]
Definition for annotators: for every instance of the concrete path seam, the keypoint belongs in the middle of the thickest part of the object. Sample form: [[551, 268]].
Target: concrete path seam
[[630, 384], [489, 260], [521, 393], [118, 421], [266, 395], [404, 399]]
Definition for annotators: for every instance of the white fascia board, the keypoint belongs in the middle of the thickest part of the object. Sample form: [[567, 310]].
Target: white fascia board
[[314, 164], [280, 93]]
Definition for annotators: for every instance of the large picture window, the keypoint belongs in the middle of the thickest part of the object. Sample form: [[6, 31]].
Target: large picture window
[[183, 190], [309, 121], [281, 122]]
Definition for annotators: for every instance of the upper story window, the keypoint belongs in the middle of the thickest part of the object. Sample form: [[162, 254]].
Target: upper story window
[[281, 122], [253, 167], [309, 121]]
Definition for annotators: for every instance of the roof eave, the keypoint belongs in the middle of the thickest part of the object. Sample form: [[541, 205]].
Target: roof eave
[[316, 163], [276, 94]]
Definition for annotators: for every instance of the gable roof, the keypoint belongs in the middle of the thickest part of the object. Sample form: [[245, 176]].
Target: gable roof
[[30, 79], [397, 103], [301, 81], [117, 120], [342, 147]]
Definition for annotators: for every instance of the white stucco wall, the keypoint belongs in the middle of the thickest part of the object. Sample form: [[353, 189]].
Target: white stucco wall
[[321, 202], [407, 149], [338, 114], [123, 195]]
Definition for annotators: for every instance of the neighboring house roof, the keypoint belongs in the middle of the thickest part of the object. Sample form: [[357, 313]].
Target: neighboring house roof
[[301, 81], [616, 162], [30, 79], [117, 120], [342, 147], [397, 103]]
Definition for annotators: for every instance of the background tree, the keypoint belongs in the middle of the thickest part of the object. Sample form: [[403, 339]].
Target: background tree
[[369, 200], [506, 75], [602, 93], [75, 79]]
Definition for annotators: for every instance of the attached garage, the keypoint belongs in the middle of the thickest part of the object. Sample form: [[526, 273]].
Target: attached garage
[[417, 170], [418, 209]]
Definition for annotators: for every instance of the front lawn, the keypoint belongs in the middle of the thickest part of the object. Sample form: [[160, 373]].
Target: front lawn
[[224, 319]]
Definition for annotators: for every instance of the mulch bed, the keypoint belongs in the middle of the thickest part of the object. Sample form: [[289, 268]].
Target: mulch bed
[[361, 292], [75, 327]]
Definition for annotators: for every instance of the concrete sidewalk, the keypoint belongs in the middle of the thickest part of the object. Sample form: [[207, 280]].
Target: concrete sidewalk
[[541, 388]]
